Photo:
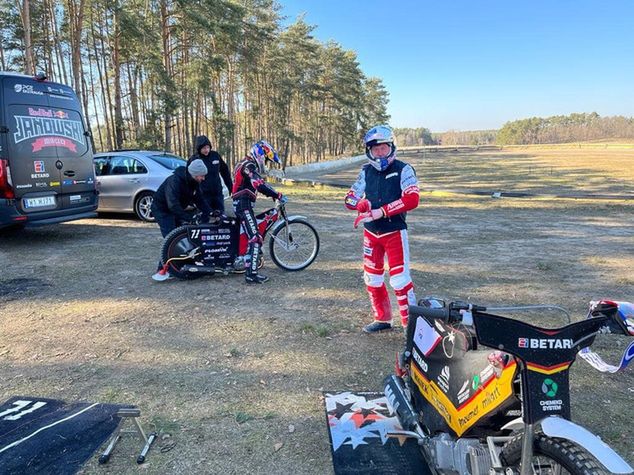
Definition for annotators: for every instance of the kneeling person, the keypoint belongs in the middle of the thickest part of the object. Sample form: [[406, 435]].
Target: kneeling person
[[179, 190]]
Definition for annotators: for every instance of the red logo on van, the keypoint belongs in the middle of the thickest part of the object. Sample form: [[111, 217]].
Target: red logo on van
[[40, 112], [42, 142], [39, 166]]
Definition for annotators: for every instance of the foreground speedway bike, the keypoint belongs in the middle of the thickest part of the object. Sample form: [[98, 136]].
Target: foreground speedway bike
[[194, 250], [507, 411]]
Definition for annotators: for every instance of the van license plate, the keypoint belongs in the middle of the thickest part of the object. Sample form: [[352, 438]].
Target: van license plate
[[39, 202]]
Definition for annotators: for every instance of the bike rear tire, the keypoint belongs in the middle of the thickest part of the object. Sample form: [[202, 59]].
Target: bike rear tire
[[561, 452], [175, 246], [298, 251]]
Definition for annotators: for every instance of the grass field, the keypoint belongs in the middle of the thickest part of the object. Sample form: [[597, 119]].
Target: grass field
[[223, 370], [540, 170]]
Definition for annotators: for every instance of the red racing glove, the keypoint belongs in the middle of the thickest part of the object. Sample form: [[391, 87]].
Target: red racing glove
[[368, 216], [364, 206]]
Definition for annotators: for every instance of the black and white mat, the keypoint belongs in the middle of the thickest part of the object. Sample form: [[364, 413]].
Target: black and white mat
[[358, 424], [48, 436]]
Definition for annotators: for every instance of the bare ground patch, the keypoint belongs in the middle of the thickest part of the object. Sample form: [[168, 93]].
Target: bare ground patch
[[221, 369]]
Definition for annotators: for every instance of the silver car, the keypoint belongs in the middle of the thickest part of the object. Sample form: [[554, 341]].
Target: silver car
[[128, 179]]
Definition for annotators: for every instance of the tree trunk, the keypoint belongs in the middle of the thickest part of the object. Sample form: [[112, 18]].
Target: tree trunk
[[103, 79], [25, 15], [57, 44], [94, 101], [134, 100], [116, 66], [75, 25], [165, 36]]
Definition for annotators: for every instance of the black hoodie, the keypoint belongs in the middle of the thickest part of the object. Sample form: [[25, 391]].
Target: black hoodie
[[178, 191], [216, 167]]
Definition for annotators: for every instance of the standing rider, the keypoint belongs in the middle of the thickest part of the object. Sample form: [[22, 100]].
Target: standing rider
[[216, 168], [247, 181], [385, 190]]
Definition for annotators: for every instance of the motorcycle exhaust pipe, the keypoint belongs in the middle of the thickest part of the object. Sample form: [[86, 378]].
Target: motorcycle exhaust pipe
[[395, 394], [190, 268]]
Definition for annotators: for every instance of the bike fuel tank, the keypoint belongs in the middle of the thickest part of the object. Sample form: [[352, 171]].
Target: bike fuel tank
[[468, 390]]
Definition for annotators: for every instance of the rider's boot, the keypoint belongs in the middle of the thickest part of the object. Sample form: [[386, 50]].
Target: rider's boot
[[377, 327], [254, 278]]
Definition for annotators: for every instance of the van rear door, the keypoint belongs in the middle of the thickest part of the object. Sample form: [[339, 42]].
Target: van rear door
[[36, 179], [73, 149]]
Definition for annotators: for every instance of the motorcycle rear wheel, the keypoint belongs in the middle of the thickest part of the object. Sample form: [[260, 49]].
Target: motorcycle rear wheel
[[552, 456], [175, 247], [294, 245]]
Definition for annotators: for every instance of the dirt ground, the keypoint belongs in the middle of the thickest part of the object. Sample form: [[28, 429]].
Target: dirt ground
[[223, 370]]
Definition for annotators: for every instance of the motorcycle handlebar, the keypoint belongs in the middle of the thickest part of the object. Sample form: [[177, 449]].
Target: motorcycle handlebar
[[450, 313], [433, 313]]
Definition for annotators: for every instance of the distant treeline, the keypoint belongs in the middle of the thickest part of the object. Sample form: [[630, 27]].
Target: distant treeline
[[406, 137], [565, 128], [536, 130], [154, 74]]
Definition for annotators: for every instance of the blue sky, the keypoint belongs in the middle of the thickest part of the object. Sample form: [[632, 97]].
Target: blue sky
[[469, 65]]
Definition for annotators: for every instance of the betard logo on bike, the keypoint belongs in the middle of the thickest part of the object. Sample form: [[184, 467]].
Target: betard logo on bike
[[544, 343]]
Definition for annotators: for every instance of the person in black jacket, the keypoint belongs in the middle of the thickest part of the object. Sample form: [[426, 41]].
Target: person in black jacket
[[216, 168], [179, 190]]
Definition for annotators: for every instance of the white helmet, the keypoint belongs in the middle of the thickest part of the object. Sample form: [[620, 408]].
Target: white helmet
[[377, 135], [261, 152]]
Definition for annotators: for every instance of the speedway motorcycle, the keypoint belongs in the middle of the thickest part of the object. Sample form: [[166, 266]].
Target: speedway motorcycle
[[487, 394], [194, 250]]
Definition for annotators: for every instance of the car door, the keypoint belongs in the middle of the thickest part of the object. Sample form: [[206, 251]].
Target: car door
[[124, 180], [102, 170]]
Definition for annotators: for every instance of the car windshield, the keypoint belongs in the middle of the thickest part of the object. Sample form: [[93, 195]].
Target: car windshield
[[171, 162]]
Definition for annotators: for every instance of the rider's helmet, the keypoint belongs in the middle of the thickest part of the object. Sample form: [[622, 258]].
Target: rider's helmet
[[377, 135], [261, 152]]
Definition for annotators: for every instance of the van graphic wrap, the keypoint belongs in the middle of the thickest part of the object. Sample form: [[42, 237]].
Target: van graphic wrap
[[48, 131]]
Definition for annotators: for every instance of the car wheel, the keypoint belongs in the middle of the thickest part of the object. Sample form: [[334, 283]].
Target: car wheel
[[143, 206]]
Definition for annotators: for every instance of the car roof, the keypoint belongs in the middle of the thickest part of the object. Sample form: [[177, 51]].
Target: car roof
[[137, 152]]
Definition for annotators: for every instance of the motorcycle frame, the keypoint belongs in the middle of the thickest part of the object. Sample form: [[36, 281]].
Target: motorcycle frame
[[560, 425]]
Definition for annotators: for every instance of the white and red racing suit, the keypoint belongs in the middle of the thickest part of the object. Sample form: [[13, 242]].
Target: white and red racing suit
[[394, 191]]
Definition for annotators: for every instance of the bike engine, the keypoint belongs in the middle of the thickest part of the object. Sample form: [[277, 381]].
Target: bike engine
[[239, 263], [461, 456]]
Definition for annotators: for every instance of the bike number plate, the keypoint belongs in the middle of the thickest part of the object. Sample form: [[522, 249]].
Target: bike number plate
[[219, 242]]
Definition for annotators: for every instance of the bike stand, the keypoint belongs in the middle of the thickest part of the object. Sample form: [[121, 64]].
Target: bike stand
[[129, 413]]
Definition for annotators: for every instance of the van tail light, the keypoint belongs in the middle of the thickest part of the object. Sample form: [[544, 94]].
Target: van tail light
[[6, 190]]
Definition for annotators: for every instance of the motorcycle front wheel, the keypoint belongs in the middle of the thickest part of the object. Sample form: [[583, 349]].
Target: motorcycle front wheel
[[294, 245], [552, 456], [175, 251]]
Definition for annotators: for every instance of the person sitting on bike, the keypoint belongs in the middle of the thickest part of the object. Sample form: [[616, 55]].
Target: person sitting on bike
[[216, 168], [384, 191], [179, 190], [247, 181]]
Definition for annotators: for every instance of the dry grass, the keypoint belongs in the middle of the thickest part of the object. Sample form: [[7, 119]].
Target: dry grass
[[223, 368], [564, 171]]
